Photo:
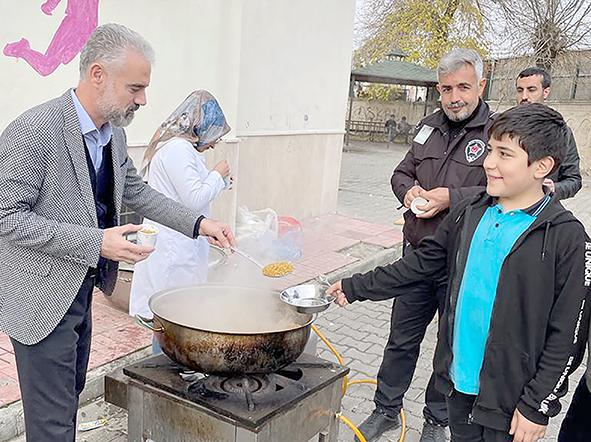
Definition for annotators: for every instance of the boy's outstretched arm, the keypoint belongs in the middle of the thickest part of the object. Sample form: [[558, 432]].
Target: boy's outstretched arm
[[427, 261], [566, 332]]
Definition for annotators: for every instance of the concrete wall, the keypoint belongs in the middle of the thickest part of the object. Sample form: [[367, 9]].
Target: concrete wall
[[294, 75], [296, 175], [279, 69]]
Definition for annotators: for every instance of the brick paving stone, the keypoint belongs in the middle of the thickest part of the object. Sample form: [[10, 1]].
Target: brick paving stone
[[351, 332], [353, 353], [361, 346], [414, 394], [380, 340], [361, 367], [413, 406], [349, 316], [371, 328], [377, 350]]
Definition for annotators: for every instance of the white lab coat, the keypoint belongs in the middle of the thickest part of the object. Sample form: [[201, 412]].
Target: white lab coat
[[178, 171]]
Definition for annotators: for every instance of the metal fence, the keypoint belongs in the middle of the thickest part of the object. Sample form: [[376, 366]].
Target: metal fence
[[375, 131]]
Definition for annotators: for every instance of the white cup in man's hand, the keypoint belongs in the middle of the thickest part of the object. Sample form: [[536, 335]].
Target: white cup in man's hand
[[418, 201], [147, 236]]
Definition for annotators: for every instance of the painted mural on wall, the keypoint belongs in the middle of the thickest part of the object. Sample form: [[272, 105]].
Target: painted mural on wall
[[80, 20]]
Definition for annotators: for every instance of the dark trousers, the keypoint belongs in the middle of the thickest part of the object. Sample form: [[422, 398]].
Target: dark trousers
[[576, 426], [52, 373], [459, 406], [411, 315]]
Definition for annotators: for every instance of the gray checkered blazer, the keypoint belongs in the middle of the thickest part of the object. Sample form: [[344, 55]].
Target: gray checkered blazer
[[48, 225]]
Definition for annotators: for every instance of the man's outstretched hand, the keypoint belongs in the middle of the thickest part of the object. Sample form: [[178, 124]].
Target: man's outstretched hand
[[217, 233]]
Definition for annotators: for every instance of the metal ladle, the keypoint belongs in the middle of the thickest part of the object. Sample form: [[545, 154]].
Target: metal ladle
[[247, 256]]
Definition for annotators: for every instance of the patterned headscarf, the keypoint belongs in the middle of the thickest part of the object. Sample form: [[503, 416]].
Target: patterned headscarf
[[198, 119]]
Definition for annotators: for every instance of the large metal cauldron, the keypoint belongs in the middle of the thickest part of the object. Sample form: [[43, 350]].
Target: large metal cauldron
[[228, 330]]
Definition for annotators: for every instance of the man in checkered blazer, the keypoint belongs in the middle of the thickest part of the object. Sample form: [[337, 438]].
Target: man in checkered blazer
[[64, 175]]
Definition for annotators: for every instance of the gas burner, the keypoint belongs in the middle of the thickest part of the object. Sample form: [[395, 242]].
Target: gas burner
[[237, 388], [248, 400], [246, 384]]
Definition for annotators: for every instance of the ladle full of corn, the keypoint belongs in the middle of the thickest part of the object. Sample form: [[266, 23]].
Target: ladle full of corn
[[274, 270]]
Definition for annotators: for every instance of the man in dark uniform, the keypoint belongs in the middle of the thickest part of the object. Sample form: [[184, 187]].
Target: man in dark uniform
[[391, 127], [443, 166], [533, 86]]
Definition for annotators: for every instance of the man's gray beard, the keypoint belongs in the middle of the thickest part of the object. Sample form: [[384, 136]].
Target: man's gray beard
[[121, 119], [456, 118], [115, 116], [107, 106]]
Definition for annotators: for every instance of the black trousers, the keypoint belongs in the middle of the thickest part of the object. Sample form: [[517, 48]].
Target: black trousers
[[460, 406], [52, 373], [576, 426], [411, 315]]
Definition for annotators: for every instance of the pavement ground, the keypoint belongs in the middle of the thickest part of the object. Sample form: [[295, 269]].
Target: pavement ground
[[365, 236]]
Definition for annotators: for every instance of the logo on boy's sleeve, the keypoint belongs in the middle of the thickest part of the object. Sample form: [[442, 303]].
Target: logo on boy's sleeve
[[474, 150], [587, 264]]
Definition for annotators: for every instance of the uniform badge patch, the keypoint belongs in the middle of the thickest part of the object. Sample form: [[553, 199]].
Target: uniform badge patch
[[474, 150]]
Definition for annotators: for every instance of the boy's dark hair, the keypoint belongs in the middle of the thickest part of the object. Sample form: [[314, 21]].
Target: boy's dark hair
[[539, 130], [546, 77]]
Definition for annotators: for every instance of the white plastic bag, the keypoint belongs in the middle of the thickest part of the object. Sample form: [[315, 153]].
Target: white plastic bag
[[256, 225]]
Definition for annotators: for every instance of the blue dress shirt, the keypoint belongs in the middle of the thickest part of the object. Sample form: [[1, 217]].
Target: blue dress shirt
[[95, 139]]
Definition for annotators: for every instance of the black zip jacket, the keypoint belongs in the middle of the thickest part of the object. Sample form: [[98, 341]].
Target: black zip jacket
[[567, 178], [540, 316], [443, 161]]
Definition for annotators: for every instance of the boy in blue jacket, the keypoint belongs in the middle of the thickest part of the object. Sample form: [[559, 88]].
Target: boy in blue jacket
[[515, 319]]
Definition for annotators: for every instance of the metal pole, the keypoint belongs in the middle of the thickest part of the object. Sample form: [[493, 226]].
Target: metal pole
[[351, 96], [427, 97]]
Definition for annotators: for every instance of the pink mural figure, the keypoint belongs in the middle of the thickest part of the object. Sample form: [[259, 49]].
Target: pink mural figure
[[80, 20]]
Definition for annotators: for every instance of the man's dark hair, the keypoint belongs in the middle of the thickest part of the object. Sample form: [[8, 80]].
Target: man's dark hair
[[546, 77], [539, 130]]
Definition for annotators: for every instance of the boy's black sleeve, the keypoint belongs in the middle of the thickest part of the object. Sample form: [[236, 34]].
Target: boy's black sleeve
[[427, 261], [566, 332]]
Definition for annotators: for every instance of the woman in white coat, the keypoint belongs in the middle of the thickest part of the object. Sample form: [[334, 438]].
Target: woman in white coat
[[175, 166]]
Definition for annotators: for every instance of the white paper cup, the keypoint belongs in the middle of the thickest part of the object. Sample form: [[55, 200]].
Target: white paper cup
[[147, 236], [418, 201]]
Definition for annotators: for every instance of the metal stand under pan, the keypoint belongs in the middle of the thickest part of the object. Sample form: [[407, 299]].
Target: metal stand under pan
[[165, 404]]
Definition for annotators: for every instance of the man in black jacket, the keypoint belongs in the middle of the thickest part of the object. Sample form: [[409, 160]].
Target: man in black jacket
[[516, 312], [443, 166], [533, 86]]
